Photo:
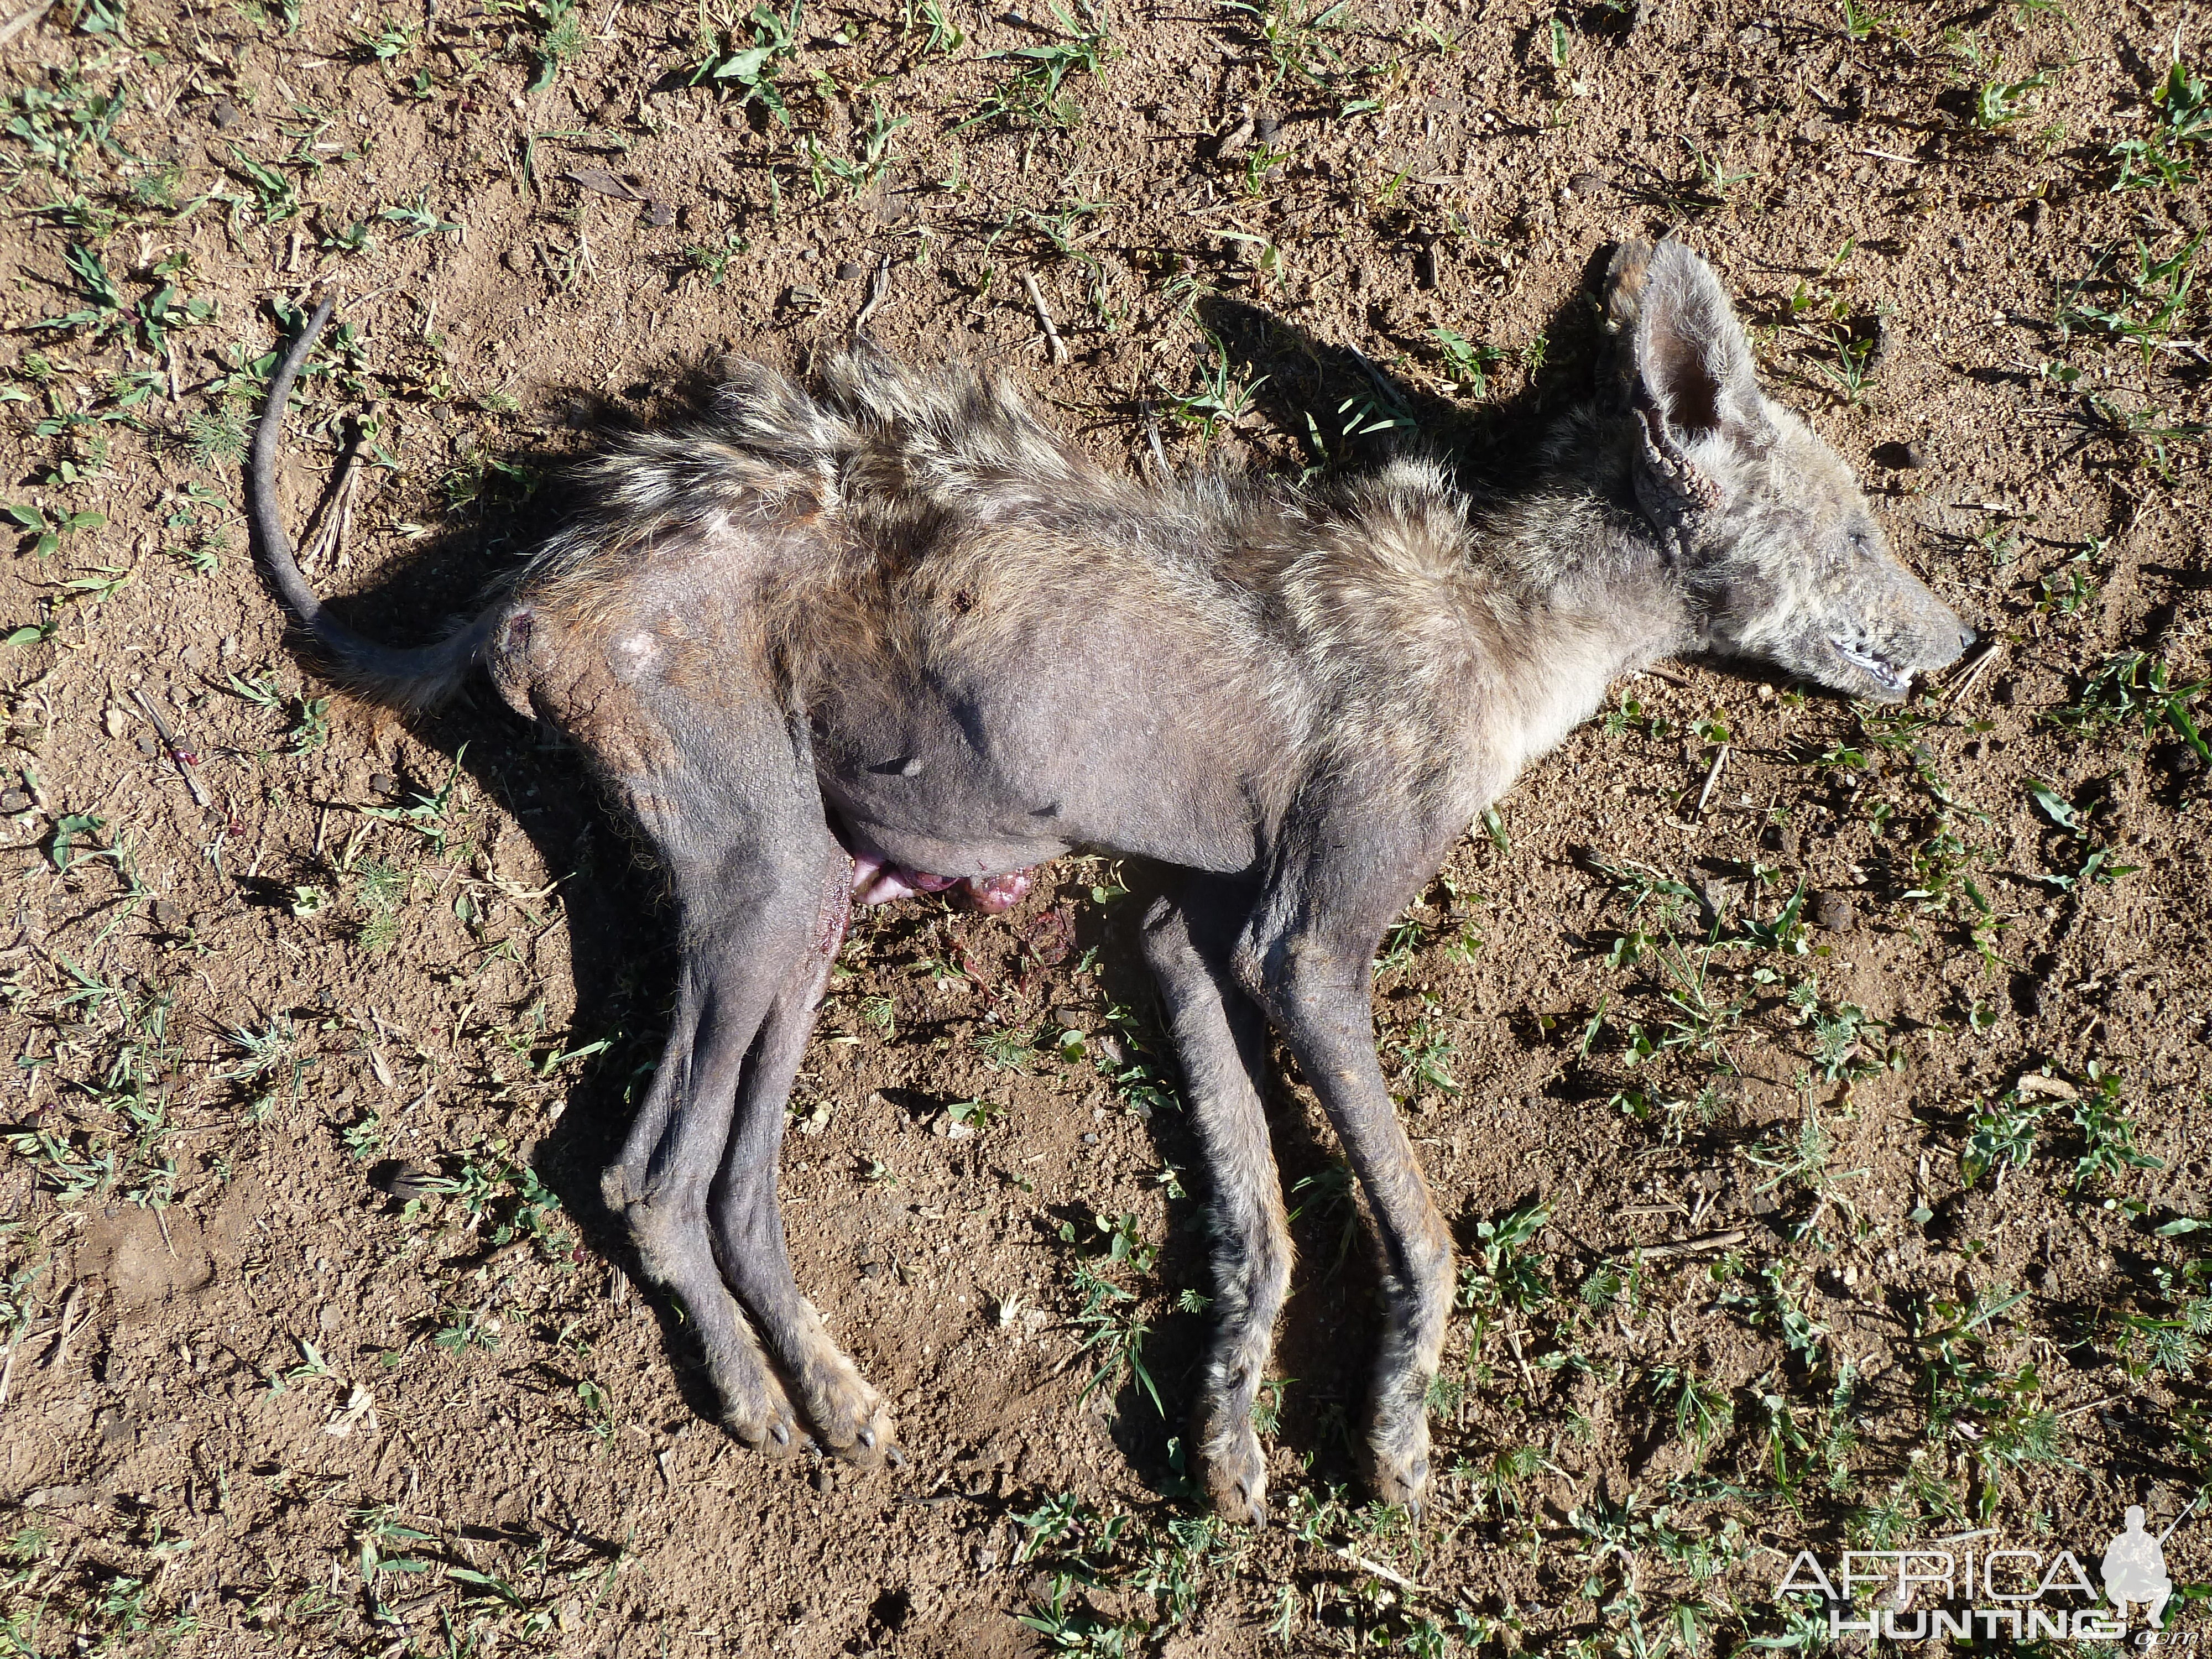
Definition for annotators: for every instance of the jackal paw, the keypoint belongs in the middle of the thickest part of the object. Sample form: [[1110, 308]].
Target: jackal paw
[[755, 1407], [1402, 1481], [1403, 1476], [764, 1421], [851, 1418], [1399, 1461], [1236, 1474]]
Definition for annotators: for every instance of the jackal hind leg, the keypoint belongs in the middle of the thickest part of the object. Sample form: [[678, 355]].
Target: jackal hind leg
[[659, 1183], [729, 797], [850, 1417], [1220, 1041]]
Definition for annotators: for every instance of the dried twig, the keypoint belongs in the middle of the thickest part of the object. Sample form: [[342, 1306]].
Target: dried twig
[[331, 534], [58, 1355], [23, 19], [1152, 437], [1723, 1241], [879, 288], [2089, 1405], [1379, 1571], [1980, 666], [605, 184], [1044, 319], [1720, 763], [185, 758]]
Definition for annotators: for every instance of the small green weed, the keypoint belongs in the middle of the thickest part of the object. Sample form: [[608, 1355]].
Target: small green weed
[[1468, 362], [2002, 1138], [870, 159], [2108, 1134], [1037, 94], [2137, 687], [2181, 118], [1504, 1273], [751, 62]]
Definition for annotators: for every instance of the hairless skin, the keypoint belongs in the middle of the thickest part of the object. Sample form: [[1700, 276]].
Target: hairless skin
[[897, 635]]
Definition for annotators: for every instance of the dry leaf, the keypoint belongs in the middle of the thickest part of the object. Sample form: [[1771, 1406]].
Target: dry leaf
[[606, 183], [359, 1406]]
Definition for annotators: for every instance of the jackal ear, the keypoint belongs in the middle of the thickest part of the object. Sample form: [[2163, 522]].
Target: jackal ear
[[1684, 348], [1686, 372]]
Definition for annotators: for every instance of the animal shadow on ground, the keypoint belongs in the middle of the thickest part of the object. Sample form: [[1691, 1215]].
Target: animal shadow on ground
[[1329, 408], [1342, 410]]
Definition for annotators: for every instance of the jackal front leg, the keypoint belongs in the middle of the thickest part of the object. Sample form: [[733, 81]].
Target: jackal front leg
[[1308, 967], [1219, 1039]]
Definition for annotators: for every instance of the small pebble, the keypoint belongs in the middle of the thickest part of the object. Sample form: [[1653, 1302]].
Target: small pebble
[[1265, 128], [384, 783], [1916, 456], [660, 215], [823, 1481], [1878, 354], [851, 270], [1090, 1139], [1832, 912], [169, 917], [407, 1181], [15, 800], [225, 115]]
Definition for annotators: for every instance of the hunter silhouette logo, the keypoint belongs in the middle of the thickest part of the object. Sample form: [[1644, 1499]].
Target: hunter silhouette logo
[[2135, 1568], [1974, 1587]]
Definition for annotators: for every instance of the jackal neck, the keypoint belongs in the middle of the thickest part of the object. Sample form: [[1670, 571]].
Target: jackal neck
[[1594, 598]]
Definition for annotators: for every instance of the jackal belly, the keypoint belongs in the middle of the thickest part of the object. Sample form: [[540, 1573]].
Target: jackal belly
[[977, 770]]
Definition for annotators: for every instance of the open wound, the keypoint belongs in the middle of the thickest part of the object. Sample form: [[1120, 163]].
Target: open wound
[[875, 882]]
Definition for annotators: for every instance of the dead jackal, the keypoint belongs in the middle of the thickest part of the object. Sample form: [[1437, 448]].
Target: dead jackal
[[898, 635]]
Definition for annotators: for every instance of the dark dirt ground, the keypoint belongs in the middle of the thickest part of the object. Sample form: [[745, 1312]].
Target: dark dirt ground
[[1865, 1218]]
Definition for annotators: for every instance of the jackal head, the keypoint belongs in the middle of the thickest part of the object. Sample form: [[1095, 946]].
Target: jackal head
[[1773, 540]]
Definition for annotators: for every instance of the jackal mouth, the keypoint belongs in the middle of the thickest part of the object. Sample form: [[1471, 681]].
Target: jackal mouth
[[1877, 667]]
